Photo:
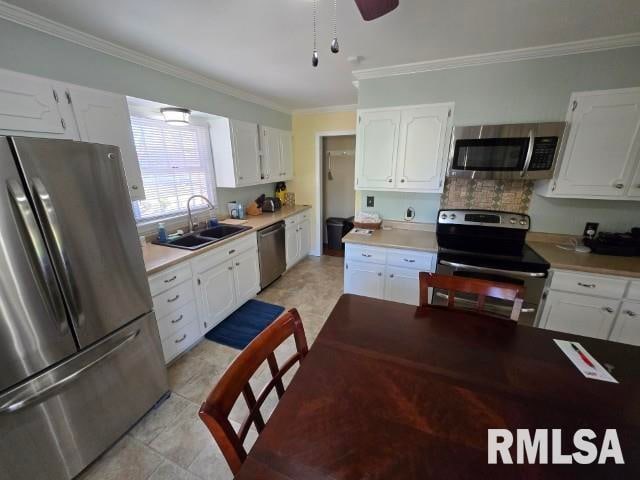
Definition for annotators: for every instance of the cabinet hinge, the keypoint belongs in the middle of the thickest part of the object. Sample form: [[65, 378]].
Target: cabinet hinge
[[574, 105], [68, 95], [55, 96], [63, 123]]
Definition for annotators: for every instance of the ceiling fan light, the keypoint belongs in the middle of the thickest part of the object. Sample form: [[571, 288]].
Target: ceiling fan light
[[176, 116]]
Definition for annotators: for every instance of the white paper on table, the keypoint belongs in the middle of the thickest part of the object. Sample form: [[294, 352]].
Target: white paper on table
[[361, 231], [598, 372]]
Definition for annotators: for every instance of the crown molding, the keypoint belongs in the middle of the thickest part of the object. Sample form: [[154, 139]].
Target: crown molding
[[37, 22], [544, 51], [330, 109]]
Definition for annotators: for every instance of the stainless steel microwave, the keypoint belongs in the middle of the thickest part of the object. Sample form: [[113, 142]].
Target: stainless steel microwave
[[514, 151]]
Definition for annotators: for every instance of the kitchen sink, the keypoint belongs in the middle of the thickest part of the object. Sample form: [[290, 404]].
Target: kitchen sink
[[222, 231], [197, 240]]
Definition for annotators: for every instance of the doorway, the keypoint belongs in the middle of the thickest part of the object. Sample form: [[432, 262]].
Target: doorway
[[338, 191]]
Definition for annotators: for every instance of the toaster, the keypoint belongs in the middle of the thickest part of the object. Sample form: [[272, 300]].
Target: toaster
[[271, 204]]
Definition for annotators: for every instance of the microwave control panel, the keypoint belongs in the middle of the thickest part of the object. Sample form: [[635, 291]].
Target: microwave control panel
[[544, 150]]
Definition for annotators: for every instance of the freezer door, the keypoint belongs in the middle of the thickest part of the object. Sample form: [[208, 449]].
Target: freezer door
[[60, 421], [82, 203], [34, 331]]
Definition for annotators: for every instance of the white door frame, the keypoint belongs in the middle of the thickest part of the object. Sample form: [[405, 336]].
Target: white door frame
[[317, 250]]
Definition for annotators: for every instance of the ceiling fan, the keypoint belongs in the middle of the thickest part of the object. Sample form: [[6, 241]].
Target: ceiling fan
[[369, 9], [372, 9]]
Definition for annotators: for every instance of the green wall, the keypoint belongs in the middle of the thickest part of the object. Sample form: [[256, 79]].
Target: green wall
[[525, 91], [29, 51]]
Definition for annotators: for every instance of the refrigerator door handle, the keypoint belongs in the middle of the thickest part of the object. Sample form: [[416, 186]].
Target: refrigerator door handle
[[39, 251], [21, 401], [52, 228]]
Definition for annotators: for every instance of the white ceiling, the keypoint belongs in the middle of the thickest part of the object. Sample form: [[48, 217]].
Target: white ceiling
[[264, 46]]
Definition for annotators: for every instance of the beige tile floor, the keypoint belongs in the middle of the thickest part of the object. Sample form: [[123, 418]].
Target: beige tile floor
[[171, 442]]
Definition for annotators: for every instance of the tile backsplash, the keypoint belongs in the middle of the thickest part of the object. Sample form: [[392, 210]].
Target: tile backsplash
[[506, 195]]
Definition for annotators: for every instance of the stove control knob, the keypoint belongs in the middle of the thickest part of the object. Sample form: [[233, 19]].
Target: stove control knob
[[523, 222], [512, 220], [452, 216], [443, 216]]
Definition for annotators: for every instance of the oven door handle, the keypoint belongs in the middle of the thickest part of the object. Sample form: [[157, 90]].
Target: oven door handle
[[527, 160], [445, 296], [474, 268]]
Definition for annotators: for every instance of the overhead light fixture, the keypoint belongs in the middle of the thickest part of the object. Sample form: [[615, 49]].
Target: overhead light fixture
[[176, 116]]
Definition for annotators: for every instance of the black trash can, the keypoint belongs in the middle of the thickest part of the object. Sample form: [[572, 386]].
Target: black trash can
[[348, 226], [335, 229]]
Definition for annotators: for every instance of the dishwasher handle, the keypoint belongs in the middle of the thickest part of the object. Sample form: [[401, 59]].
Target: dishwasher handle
[[272, 230]]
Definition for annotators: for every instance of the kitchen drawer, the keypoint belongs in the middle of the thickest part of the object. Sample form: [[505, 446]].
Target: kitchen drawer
[[293, 219], [588, 284], [167, 279], [174, 299], [363, 253], [634, 290], [170, 324], [410, 259], [306, 215], [224, 252], [181, 340]]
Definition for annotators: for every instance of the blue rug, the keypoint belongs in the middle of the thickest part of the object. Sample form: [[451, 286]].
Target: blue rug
[[243, 325]]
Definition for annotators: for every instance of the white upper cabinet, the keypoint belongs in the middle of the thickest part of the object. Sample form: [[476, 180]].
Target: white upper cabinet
[[236, 152], [33, 106], [286, 156], [377, 148], [423, 133], [403, 148], [271, 152], [602, 149], [103, 117], [39, 107]]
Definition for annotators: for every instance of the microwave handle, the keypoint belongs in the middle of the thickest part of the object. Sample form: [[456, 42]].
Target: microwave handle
[[527, 160]]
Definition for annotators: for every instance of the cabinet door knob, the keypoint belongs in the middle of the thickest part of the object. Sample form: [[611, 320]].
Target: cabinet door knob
[[237, 264], [390, 180], [402, 180], [607, 309], [619, 185], [391, 275], [630, 313], [230, 267]]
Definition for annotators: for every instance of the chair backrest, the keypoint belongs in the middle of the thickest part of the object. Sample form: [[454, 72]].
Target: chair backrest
[[214, 412], [481, 288]]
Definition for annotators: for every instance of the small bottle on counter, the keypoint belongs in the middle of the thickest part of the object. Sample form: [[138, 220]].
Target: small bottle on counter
[[241, 213], [162, 233]]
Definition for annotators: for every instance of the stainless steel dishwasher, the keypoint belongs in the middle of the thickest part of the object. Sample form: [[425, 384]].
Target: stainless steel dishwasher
[[271, 250]]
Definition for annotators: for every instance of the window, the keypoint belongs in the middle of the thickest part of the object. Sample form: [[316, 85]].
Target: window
[[175, 163]]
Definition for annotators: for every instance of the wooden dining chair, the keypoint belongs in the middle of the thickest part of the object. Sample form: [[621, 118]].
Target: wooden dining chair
[[481, 288], [215, 410]]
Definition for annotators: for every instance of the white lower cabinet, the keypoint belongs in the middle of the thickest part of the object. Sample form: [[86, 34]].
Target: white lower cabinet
[[375, 272], [297, 236], [174, 305], [593, 305], [402, 285], [627, 326], [579, 314], [366, 279], [194, 296], [216, 294], [225, 279]]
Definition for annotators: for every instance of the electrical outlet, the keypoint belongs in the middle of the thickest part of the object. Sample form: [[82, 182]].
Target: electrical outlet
[[369, 201]]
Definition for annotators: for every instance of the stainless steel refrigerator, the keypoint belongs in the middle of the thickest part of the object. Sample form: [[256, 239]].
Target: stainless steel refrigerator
[[80, 355]]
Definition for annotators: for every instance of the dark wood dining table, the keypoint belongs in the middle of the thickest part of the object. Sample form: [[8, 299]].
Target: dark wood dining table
[[391, 391]]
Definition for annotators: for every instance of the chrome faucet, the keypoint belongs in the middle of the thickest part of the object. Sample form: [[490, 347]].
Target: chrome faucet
[[189, 208]]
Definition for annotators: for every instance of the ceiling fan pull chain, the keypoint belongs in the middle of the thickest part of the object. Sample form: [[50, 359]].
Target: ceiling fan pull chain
[[335, 47], [314, 57]]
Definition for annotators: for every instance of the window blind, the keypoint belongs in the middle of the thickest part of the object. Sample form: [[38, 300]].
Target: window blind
[[175, 163]]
